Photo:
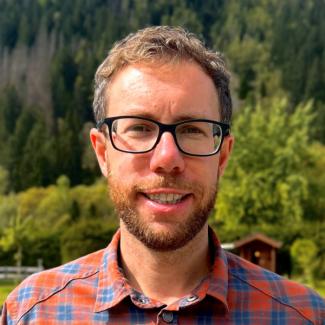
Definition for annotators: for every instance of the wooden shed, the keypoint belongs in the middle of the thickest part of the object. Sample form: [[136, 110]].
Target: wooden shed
[[258, 249]]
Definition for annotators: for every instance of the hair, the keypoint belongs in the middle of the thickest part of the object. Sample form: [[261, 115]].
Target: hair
[[163, 44]]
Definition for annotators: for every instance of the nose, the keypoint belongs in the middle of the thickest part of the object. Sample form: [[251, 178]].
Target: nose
[[166, 158]]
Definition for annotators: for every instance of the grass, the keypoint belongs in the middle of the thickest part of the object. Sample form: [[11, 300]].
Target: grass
[[6, 287]]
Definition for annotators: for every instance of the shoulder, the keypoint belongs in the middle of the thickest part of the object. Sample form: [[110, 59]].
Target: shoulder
[[292, 296], [41, 286]]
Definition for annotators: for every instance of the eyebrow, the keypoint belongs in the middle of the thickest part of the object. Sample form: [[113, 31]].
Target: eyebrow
[[177, 118]]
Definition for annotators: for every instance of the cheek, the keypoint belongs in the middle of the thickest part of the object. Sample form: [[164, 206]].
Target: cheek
[[127, 166], [205, 169]]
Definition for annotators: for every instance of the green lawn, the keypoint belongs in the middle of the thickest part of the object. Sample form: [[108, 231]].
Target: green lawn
[[6, 286]]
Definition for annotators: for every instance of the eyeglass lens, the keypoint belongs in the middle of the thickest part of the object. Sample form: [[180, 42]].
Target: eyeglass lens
[[193, 137]]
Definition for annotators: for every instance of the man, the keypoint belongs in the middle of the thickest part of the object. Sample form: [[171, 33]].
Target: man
[[163, 107]]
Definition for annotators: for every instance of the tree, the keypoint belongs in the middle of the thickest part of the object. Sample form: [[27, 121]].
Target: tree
[[314, 207], [10, 109], [265, 186], [14, 237], [93, 202], [8, 211], [304, 252], [85, 237], [183, 16], [52, 212], [17, 143], [37, 159], [68, 147], [4, 177]]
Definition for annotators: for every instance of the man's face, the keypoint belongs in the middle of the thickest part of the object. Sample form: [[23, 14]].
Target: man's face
[[163, 197]]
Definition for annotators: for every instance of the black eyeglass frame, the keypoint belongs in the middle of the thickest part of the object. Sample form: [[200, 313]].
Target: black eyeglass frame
[[225, 128]]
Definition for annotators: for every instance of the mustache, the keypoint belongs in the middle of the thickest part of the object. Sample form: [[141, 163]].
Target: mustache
[[149, 183], [166, 181]]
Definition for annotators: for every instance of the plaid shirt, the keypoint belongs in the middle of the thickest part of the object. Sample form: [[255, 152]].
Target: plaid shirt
[[93, 290]]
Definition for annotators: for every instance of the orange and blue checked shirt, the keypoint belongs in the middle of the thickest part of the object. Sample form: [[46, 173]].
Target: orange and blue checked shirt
[[93, 290]]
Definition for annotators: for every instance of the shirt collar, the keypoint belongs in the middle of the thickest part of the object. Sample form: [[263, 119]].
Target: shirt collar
[[113, 287], [218, 278]]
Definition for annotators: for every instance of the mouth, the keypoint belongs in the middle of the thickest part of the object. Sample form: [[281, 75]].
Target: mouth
[[165, 198], [165, 202]]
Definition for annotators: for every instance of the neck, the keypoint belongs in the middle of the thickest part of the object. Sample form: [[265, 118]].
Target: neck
[[165, 276]]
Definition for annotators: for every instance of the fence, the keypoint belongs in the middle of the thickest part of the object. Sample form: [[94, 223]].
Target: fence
[[18, 272]]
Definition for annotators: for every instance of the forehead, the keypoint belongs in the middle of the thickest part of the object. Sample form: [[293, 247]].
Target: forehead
[[163, 91]]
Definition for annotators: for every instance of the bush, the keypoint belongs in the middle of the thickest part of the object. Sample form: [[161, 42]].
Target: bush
[[304, 252], [84, 237]]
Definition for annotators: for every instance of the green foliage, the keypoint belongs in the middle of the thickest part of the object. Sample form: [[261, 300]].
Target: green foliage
[[245, 35], [10, 109], [17, 142], [84, 237], [44, 246], [36, 162], [40, 222], [265, 182], [314, 207], [5, 288], [4, 180], [304, 252], [299, 21], [14, 236], [93, 202], [273, 49], [8, 209], [9, 22], [275, 180], [183, 16]]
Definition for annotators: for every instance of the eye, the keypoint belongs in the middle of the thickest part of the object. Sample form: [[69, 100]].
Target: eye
[[139, 128], [136, 128], [132, 127], [192, 130]]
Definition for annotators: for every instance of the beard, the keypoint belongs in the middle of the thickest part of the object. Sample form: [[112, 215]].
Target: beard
[[124, 196]]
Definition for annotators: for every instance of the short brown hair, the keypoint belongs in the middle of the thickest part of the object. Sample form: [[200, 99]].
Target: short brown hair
[[165, 44]]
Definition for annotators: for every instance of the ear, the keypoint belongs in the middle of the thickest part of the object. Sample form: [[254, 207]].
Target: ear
[[225, 152], [98, 142]]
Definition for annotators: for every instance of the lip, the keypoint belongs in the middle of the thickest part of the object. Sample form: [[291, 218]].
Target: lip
[[157, 208], [166, 190]]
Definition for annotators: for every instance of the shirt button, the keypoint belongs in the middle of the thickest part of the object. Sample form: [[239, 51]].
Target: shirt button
[[167, 316], [191, 298], [143, 300]]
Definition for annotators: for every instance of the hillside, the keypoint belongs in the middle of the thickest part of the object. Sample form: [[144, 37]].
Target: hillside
[[49, 51]]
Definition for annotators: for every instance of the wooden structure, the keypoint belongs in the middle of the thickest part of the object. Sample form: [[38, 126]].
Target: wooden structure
[[259, 249], [14, 272]]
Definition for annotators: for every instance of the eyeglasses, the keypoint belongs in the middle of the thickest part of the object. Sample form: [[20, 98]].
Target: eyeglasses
[[196, 137]]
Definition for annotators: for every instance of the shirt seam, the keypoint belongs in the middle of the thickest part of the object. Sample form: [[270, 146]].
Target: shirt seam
[[274, 298], [51, 294]]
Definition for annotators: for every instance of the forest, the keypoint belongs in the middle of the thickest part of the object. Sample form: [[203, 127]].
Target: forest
[[53, 201]]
